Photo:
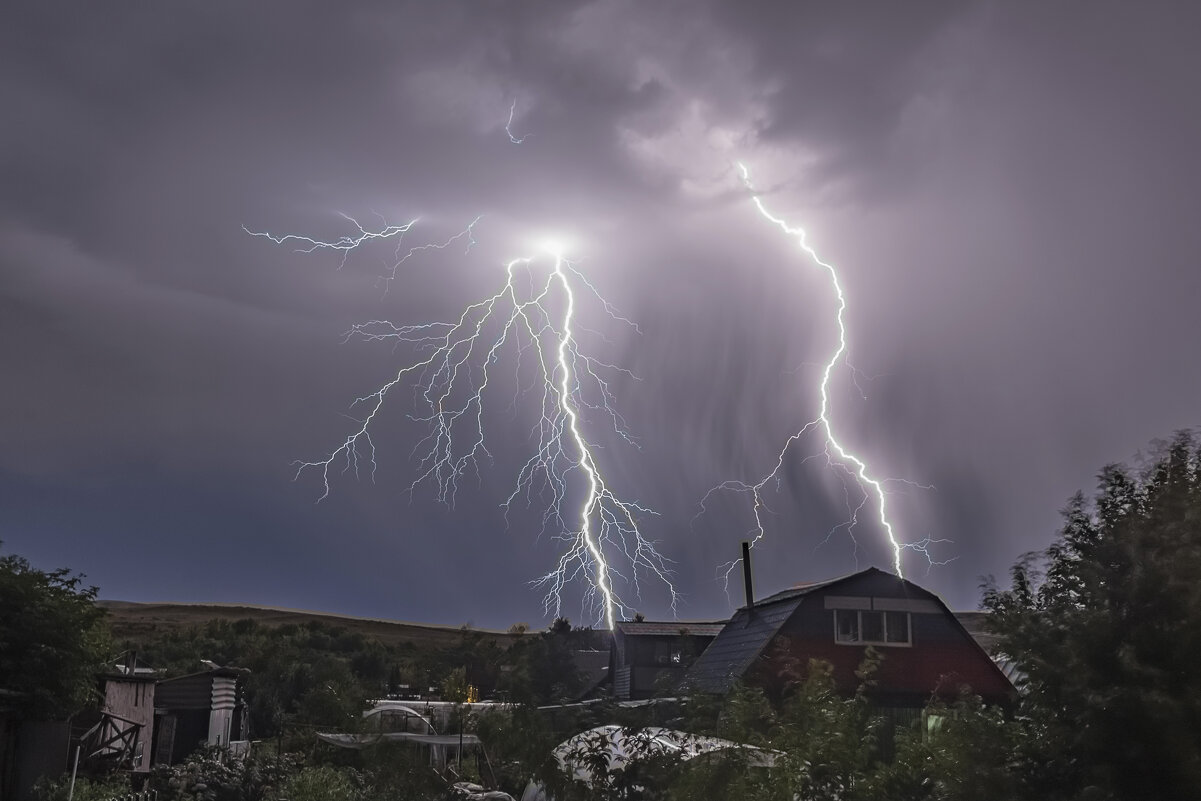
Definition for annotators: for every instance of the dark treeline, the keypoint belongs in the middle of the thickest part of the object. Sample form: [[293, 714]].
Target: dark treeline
[[321, 674]]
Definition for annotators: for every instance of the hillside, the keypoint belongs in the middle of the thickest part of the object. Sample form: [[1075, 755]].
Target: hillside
[[130, 620]]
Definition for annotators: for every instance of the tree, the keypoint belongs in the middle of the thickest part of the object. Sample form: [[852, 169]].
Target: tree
[[53, 638], [1106, 627], [541, 669]]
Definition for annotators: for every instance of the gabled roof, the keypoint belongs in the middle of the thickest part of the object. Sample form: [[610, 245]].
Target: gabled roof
[[671, 628], [741, 640], [225, 672], [744, 638], [804, 588]]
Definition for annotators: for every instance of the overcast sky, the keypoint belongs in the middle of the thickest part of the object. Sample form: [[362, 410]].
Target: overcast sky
[[1010, 191]]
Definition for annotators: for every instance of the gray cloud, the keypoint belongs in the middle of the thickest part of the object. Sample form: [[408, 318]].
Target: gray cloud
[[1008, 189]]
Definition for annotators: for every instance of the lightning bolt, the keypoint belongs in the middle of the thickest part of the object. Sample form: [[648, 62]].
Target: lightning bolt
[[351, 242], [837, 455], [517, 140], [531, 320]]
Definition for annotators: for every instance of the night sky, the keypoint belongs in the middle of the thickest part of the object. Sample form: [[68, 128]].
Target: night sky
[[1011, 192]]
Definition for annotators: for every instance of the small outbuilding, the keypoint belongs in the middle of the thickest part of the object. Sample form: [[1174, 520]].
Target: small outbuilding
[[650, 657], [208, 707]]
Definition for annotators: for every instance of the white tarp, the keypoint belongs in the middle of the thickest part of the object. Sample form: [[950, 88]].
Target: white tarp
[[620, 746]]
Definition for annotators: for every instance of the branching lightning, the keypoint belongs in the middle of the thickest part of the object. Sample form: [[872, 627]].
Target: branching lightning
[[837, 455], [530, 320]]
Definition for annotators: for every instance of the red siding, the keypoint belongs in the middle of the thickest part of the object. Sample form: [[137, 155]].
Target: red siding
[[942, 656]]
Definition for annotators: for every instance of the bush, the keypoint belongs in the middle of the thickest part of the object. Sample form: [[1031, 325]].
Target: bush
[[102, 789], [322, 783], [211, 775]]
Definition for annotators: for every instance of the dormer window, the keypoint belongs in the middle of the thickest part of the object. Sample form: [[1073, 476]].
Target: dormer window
[[871, 627]]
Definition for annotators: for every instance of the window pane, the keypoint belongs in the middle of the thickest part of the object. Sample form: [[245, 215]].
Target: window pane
[[898, 626], [846, 625], [873, 626]]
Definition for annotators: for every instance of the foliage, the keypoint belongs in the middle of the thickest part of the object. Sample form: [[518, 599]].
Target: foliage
[[210, 774], [1106, 626], [455, 686], [379, 772], [321, 783], [101, 789], [520, 741], [318, 674], [374, 774], [827, 741], [53, 639], [824, 745], [540, 669], [821, 745], [961, 752]]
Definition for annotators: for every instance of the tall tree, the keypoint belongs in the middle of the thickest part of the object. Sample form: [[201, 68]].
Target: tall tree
[[52, 638], [1106, 627]]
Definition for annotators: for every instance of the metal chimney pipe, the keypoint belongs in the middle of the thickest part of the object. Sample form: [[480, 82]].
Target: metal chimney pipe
[[746, 575]]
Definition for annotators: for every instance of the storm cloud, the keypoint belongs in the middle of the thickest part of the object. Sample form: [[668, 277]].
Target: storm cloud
[[1010, 192]]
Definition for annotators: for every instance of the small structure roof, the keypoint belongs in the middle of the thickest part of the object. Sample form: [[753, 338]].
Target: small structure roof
[[120, 675], [672, 628]]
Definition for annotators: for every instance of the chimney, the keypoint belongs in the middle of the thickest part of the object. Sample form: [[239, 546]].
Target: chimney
[[746, 575]]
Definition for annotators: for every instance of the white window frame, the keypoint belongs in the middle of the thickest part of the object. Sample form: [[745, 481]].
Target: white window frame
[[908, 643]]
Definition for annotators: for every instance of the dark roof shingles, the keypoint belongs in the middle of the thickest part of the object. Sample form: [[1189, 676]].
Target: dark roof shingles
[[746, 635], [669, 628]]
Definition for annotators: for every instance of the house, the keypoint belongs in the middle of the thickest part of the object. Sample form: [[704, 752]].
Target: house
[[649, 657], [208, 707], [925, 648]]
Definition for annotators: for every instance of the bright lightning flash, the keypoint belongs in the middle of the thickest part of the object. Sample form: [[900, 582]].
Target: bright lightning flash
[[530, 320], [837, 455]]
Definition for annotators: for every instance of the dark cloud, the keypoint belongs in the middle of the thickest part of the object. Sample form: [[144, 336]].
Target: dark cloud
[[1009, 191]]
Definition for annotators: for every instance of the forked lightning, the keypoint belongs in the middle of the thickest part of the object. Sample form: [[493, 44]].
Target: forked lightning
[[532, 318], [836, 453]]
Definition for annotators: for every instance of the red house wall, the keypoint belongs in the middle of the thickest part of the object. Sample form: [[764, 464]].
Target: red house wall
[[942, 656]]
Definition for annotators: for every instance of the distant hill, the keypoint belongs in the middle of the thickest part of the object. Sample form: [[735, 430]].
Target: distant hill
[[130, 620]]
